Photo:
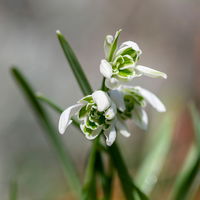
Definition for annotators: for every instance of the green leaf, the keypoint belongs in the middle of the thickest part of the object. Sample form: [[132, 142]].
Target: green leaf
[[158, 146], [13, 192], [75, 65], [187, 182], [183, 185], [51, 133], [196, 123], [114, 46], [128, 186]]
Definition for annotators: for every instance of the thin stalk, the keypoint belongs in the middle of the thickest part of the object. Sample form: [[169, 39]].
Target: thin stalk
[[13, 193], [89, 188], [128, 186]]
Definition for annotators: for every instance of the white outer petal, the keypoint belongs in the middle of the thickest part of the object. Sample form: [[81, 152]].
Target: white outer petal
[[129, 44], [118, 97], [112, 83], [152, 99], [111, 112], [140, 117], [65, 117], [109, 39], [106, 69], [107, 44], [133, 45], [102, 100], [150, 72], [110, 135], [122, 129]]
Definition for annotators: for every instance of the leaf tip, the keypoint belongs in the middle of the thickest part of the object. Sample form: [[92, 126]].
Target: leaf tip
[[58, 32]]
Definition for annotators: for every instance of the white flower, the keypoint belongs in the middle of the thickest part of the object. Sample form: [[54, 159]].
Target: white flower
[[97, 114], [130, 102], [121, 63]]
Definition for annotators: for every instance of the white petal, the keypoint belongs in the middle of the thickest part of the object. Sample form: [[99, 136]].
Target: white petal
[[112, 83], [118, 97], [106, 69], [107, 44], [111, 112], [129, 44], [152, 99], [109, 39], [140, 117], [94, 133], [102, 100], [122, 129], [65, 117], [150, 72], [110, 135]]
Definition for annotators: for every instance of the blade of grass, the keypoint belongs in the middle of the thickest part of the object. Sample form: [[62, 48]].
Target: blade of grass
[[75, 65], [13, 192], [128, 186], [158, 147], [187, 175], [50, 131], [196, 123], [187, 181]]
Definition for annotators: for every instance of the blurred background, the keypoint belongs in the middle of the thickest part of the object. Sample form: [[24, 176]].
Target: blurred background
[[168, 32]]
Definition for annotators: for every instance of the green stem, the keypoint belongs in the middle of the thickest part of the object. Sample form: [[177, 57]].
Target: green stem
[[13, 193], [89, 188], [126, 181]]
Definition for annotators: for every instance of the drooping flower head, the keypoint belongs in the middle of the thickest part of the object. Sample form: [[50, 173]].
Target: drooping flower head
[[97, 114], [120, 64], [131, 102]]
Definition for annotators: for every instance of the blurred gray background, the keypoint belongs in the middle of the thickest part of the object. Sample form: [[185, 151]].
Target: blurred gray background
[[168, 32]]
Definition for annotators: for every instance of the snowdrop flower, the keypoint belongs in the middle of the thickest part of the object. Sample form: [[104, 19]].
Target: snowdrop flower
[[97, 114], [121, 63], [130, 102]]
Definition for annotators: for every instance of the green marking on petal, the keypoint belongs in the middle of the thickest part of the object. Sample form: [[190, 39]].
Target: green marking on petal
[[91, 125], [83, 112], [86, 130], [126, 73], [87, 99]]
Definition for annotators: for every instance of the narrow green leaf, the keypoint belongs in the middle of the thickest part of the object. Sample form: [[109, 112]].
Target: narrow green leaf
[[188, 182], [196, 123], [183, 186], [50, 131], [158, 146], [13, 192], [128, 186], [75, 65]]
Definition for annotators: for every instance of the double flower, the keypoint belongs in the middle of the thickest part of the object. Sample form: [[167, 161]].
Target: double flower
[[105, 112]]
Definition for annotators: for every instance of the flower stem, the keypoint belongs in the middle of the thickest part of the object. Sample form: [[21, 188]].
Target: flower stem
[[89, 188]]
